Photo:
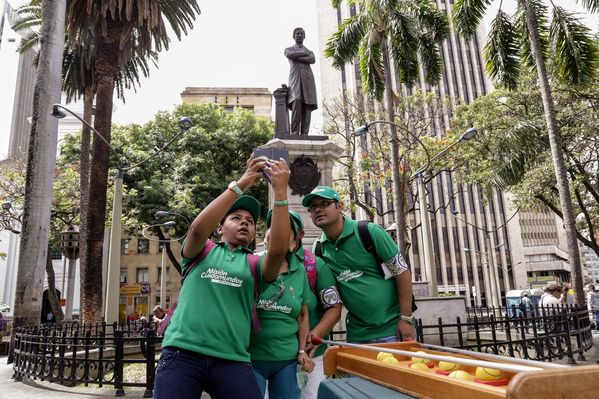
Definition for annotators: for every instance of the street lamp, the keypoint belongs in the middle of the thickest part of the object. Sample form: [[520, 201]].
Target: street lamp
[[169, 224], [397, 199], [425, 221], [69, 246], [111, 309]]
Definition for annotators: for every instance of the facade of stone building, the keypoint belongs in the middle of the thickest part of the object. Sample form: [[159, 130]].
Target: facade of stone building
[[257, 100]]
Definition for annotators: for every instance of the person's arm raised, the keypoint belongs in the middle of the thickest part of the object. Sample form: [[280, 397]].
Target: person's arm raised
[[207, 221], [280, 227]]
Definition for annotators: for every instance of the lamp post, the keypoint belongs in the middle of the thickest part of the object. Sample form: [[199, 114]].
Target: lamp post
[[163, 243], [111, 308], [397, 198], [69, 246], [425, 221]]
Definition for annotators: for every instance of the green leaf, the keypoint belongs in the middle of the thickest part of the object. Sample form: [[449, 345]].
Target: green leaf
[[344, 44], [404, 47], [575, 51], [540, 11], [430, 59], [501, 51], [467, 15], [372, 72], [591, 5]]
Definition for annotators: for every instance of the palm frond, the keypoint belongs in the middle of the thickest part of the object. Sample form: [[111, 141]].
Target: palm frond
[[501, 51], [344, 44], [467, 15], [591, 5], [430, 58], [370, 63], [28, 42], [431, 19], [403, 41], [576, 53], [540, 10]]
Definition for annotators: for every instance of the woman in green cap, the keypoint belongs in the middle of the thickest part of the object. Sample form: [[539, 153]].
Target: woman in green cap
[[205, 347], [290, 312]]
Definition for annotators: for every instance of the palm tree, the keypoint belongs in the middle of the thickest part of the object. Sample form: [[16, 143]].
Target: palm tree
[[408, 31], [118, 30], [78, 81], [527, 39], [41, 163]]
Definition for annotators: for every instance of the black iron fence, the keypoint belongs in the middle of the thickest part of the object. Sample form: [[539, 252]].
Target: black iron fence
[[539, 333], [73, 354]]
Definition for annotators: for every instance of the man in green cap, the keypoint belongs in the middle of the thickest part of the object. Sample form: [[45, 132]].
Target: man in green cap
[[379, 307]]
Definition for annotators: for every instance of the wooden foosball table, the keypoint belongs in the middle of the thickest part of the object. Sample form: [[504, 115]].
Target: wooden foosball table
[[445, 375]]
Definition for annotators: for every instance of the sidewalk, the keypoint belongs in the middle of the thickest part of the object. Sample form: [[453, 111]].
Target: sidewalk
[[36, 389]]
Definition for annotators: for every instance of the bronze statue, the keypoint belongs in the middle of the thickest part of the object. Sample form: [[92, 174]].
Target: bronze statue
[[302, 88]]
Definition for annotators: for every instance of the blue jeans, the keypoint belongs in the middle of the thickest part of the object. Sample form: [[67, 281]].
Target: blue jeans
[[184, 374], [281, 377], [391, 338]]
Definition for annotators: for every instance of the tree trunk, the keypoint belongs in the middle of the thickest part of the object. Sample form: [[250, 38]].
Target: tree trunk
[[52, 297], [557, 154], [88, 100], [41, 165], [398, 197], [106, 68]]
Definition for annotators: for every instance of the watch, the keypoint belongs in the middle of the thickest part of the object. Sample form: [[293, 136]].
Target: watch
[[409, 319], [235, 188]]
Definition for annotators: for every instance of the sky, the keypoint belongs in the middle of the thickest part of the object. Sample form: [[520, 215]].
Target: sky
[[234, 43]]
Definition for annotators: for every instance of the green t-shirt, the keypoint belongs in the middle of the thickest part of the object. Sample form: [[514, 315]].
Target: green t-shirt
[[279, 304], [328, 295], [371, 301], [213, 315]]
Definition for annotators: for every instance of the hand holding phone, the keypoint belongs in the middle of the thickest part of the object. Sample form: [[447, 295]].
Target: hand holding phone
[[272, 154]]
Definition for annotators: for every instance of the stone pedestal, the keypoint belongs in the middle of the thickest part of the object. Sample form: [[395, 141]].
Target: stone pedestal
[[281, 111], [319, 150]]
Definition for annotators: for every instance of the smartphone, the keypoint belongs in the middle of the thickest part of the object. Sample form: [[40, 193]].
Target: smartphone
[[274, 154]]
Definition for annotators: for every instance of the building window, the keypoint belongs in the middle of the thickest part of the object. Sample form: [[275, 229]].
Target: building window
[[55, 254], [125, 246], [123, 276], [248, 107], [229, 108], [143, 275], [143, 246], [168, 274]]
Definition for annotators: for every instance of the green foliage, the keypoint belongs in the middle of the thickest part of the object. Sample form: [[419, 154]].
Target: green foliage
[[190, 173], [501, 51], [512, 151], [576, 53], [568, 40], [409, 30]]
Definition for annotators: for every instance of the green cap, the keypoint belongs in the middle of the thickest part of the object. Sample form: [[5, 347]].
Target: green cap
[[323, 192], [296, 221], [248, 203]]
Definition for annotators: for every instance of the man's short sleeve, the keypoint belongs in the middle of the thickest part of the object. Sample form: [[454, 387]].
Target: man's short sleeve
[[387, 250]]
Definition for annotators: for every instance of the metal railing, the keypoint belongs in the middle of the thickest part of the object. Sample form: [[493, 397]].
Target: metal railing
[[73, 354], [540, 333]]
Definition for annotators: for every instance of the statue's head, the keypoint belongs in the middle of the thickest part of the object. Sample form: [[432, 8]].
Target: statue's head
[[299, 31]]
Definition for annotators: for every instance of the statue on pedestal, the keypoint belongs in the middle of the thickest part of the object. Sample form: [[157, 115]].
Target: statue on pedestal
[[301, 99]]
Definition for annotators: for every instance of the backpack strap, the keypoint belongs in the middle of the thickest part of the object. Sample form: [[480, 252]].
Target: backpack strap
[[318, 248], [167, 319], [311, 270], [253, 261], [368, 245]]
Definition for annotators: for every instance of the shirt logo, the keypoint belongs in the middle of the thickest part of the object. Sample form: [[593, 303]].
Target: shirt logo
[[348, 275], [219, 276], [266, 304]]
